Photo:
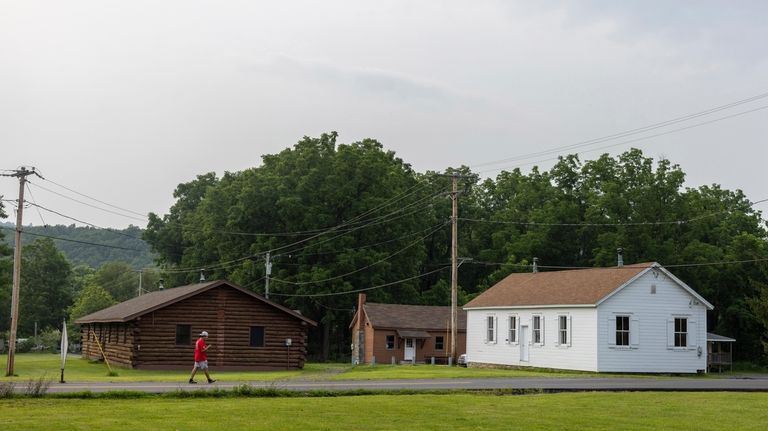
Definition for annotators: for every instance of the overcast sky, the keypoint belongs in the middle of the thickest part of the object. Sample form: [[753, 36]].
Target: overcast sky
[[123, 100]]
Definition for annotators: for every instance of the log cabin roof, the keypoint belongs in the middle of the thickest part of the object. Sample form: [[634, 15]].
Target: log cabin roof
[[580, 287], [414, 317], [140, 305]]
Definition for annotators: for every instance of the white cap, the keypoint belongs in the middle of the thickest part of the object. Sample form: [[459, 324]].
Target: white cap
[[204, 334]]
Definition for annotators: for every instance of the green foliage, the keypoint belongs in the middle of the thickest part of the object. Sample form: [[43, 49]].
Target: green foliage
[[92, 299], [133, 250], [47, 292], [344, 217]]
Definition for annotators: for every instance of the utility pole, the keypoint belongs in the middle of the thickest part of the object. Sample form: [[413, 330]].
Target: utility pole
[[454, 263], [268, 272], [21, 174], [139, 292]]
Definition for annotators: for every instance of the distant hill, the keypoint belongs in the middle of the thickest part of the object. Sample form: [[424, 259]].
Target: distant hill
[[79, 244]]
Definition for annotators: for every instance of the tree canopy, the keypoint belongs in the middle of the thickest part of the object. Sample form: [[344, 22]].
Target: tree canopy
[[342, 218]]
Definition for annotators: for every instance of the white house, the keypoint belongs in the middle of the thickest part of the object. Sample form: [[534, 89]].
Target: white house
[[633, 318]]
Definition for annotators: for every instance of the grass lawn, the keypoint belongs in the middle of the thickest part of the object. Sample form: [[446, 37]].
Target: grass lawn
[[597, 411], [34, 365]]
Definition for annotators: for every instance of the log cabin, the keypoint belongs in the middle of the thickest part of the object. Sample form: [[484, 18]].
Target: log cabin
[[158, 330]]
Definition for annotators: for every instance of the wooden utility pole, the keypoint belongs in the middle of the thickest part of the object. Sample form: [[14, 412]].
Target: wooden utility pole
[[21, 174], [268, 272], [454, 263]]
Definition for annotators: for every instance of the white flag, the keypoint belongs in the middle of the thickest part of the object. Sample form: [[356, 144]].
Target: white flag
[[64, 344]]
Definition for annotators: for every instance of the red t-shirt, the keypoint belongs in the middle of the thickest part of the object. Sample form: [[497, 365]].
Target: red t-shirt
[[200, 354]]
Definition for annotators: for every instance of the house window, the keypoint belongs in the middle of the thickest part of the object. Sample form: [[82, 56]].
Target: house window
[[390, 342], [491, 325], [183, 335], [257, 336], [536, 329], [563, 329], [512, 329], [622, 330], [681, 332], [439, 342]]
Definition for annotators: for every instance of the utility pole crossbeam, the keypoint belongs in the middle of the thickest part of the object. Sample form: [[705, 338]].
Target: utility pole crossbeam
[[21, 174]]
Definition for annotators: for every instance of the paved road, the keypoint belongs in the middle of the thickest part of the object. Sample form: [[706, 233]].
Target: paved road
[[746, 383]]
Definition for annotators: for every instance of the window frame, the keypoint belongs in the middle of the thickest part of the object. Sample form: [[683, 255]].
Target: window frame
[[537, 333], [188, 335], [441, 340], [491, 329], [263, 336], [387, 343], [564, 324], [512, 331], [680, 332], [622, 332]]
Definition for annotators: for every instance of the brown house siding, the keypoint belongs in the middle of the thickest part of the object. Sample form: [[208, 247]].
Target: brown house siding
[[425, 348], [149, 341]]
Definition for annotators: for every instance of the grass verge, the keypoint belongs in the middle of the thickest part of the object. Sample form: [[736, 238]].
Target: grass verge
[[598, 411]]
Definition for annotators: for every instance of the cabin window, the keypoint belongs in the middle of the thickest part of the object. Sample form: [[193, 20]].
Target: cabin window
[[512, 336], [562, 330], [257, 336], [491, 328], [439, 342], [390, 342], [537, 330], [622, 330], [681, 332], [183, 335]]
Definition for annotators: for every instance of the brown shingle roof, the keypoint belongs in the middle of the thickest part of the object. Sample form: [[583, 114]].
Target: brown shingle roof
[[571, 287], [133, 308], [413, 316]]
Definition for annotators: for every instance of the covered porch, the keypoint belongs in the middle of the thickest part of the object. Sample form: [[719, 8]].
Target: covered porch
[[719, 352]]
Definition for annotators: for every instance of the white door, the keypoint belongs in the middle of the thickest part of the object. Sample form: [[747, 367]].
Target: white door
[[524, 344], [410, 350]]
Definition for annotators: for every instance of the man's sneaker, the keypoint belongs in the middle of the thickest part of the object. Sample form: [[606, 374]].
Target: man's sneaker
[[192, 382], [211, 380]]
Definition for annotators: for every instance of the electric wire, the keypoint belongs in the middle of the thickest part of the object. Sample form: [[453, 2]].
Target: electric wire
[[638, 130], [39, 207], [32, 198], [96, 200], [643, 138], [384, 259], [379, 286], [87, 204], [74, 240]]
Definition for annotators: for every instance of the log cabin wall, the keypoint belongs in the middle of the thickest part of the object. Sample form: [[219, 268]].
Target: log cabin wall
[[228, 315], [116, 341]]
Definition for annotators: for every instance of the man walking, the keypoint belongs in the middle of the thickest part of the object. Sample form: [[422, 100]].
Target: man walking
[[201, 358]]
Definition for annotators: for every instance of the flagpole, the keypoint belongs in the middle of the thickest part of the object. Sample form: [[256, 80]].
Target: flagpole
[[64, 348]]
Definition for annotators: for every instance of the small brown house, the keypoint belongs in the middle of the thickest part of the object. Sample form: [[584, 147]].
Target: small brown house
[[159, 329], [386, 333]]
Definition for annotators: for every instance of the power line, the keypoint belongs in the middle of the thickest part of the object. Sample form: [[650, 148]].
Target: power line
[[633, 140], [96, 200], [86, 223], [392, 283], [89, 205], [75, 240], [647, 223], [632, 131], [626, 267], [379, 220], [302, 283]]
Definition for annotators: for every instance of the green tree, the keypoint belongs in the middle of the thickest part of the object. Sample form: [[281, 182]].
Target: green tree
[[90, 300], [6, 275], [330, 209], [46, 286]]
